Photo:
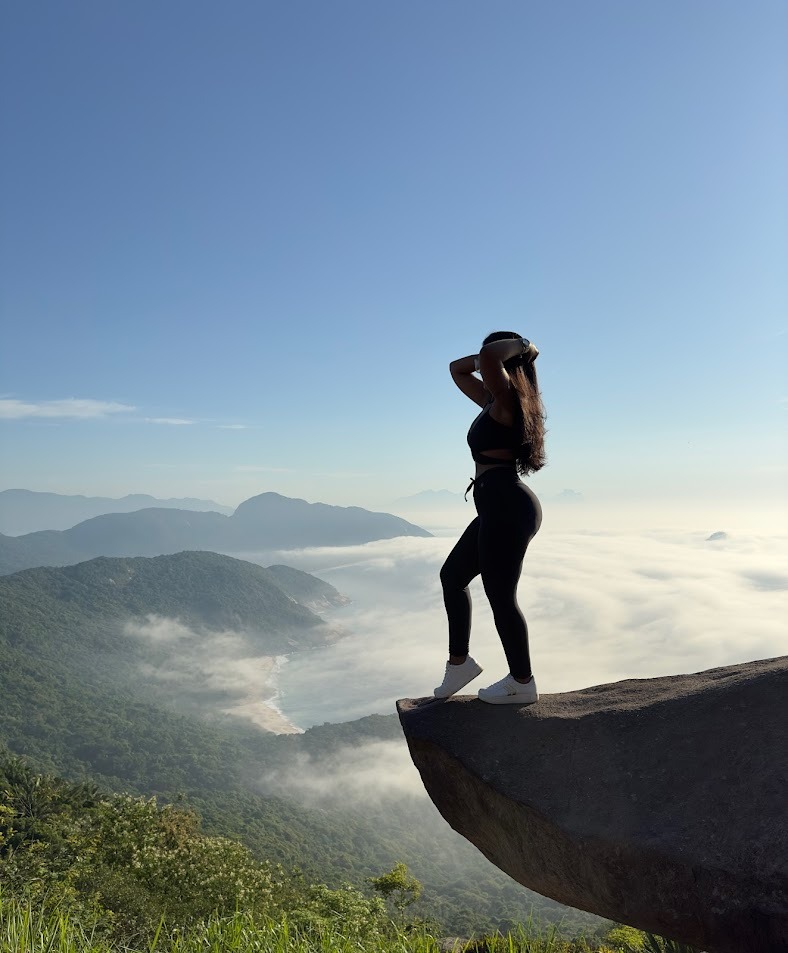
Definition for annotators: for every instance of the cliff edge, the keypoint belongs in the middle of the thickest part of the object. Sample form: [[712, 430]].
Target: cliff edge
[[661, 803]]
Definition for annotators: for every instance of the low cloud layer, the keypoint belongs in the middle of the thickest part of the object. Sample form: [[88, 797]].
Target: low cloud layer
[[352, 777], [208, 661], [601, 606], [223, 672]]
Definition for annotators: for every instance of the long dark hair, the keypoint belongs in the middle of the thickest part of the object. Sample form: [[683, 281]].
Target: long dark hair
[[529, 412]]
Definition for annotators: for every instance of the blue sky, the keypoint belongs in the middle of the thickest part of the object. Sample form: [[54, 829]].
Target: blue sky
[[242, 241]]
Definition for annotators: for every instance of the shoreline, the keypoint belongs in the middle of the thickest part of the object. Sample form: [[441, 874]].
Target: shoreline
[[264, 712]]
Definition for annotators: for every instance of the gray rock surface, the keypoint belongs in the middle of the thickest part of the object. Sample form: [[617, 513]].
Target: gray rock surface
[[661, 803]]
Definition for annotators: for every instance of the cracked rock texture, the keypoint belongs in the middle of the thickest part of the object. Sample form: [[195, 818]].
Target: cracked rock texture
[[661, 803]]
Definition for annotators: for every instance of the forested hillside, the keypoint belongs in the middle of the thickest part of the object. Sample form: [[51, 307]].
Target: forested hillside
[[84, 869], [82, 680], [74, 703], [133, 746], [200, 588]]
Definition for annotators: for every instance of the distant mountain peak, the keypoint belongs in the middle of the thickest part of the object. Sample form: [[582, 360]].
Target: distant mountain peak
[[32, 511], [200, 588], [268, 522]]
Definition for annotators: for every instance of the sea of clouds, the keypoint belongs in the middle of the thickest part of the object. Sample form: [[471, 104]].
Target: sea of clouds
[[608, 595], [602, 604]]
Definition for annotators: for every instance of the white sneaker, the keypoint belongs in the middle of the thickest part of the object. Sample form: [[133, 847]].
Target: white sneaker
[[457, 676], [508, 691]]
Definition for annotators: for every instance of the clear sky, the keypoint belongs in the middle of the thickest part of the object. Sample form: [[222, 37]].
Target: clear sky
[[241, 242]]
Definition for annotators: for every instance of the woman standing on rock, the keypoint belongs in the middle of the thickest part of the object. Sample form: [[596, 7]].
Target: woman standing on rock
[[506, 440]]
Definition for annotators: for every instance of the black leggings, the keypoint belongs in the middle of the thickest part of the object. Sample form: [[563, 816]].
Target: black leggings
[[494, 544]]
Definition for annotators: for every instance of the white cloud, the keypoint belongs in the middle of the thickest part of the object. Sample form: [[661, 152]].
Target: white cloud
[[352, 776], [74, 408], [172, 421], [221, 672], [233, 426], [601, 606], [160, 630]]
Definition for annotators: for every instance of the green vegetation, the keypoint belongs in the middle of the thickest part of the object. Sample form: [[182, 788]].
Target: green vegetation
[[306, 588], [74, 703], [229, 834], [203, 590], [84, 870], [44, 928]]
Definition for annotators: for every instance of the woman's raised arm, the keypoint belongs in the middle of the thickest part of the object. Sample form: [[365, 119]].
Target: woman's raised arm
[[461, 372]]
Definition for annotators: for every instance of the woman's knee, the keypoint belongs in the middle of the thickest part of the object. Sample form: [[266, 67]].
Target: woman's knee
[[452, 579], [501, 596], [448, 577]]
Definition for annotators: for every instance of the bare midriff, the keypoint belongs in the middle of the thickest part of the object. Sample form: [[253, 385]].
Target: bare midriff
[[483, 467]]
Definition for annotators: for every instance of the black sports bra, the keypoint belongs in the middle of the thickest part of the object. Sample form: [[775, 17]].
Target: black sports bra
[[487, 434]]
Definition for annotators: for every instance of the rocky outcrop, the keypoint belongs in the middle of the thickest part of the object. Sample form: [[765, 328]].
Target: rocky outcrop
[[661, 803]]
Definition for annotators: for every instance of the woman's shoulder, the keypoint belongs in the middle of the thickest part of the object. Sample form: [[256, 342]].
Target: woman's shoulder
[[500, 413], [501, 410]]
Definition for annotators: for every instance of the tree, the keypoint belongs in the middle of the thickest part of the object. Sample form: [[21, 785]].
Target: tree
[[398, 887]]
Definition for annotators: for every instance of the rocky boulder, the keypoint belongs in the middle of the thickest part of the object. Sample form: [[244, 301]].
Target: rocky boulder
[[661, 803]]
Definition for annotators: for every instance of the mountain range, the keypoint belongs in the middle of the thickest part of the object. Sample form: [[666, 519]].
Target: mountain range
[[265, 522], [201, 589], [28, 511]]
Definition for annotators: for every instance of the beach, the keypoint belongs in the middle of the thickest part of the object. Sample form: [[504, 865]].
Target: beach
[[263, 712]]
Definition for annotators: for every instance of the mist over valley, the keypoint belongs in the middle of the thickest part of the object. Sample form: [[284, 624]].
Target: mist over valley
[[601, 605], [262, 688], [143, 674]]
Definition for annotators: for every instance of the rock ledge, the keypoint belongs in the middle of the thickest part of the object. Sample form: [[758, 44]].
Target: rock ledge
[[661, 803]]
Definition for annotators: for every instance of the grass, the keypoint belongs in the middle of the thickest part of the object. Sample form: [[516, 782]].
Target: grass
[[26, 929], [36, 928]]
